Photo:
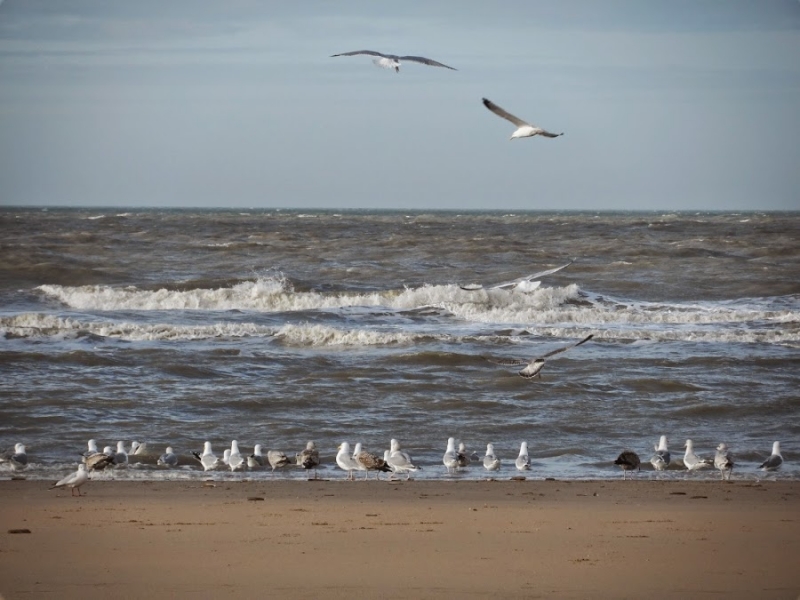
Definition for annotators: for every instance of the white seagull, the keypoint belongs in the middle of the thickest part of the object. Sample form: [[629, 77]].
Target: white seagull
[[523, 461], [235, 460], [346, 461], [524, 129], [526, 283], [392, 61], [74, 480], [660, 460], [775, 460], [168, 459], [450, 458], [92, 449], [207, 458], [490, 461], [18, 459], [723, 460], [138, 449], [693, 462], [534, 367], [120, 456], [628, 461], [400, 461], [256, 459]]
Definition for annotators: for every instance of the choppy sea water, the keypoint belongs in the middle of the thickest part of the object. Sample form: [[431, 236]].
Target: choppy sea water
[[173, 327]]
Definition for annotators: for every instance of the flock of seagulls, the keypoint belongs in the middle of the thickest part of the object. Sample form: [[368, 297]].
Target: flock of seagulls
[[393, 61], [628, 460], [394, 461]]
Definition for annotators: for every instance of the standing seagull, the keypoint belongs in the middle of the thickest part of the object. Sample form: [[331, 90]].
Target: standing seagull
[[523, 461], [236, 461], [524, 129], [629, 461], [256, 459], [450, 458], [346, 461], [370, 462], [535, 366], [392, 61], [400, 460], [693, 462], [309, 458], [775, 461], [168, 459], [660, 460], [207, 458], [74, 480], [490, 461], [723, 460], [17, 459], [462, 458], [277, 460]]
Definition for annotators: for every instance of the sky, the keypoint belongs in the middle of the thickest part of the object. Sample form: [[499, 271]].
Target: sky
[[664, 104]]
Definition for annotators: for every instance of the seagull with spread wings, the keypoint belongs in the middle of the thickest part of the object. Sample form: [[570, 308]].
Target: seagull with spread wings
[[392, 61], [534, 367], [526, 283], [524, 129]]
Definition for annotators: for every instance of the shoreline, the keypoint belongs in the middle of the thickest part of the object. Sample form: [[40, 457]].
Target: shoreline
[[423, 539]]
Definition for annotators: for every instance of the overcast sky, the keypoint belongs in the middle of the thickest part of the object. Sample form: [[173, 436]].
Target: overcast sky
[[665, 105]]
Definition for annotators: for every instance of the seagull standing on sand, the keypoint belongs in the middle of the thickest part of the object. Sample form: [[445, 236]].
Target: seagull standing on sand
[[346, 461], [628, 461], [309, 458], [392, 61], [534, 367], [450, 458], [74, 480], [490, 461], [400, 461], [693, 462], [168, 459], [723, 460], [370, 462], [524, 129], [277, 460], [207, 458], [18, 459], [523, 462], [775, 460], [660, 460]]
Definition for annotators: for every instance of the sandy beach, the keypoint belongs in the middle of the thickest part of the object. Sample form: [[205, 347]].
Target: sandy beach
[[337, 539]]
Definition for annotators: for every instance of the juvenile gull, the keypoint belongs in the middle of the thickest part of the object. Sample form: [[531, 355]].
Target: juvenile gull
[[524, 129], [236, 461], [346, 461], [628, 461], [462, 458], [207, 459], [392, 61], [256, 459], [523, 462], [775, 460], [74, 480], [534, 367], [400, 461], [309, 458], [526, 283], [723, 460], [168, 459], [98, 461], [18, 459], [371, 462], [450, 458], [490, 461], [277, 460], [693, 462], [660, 460]]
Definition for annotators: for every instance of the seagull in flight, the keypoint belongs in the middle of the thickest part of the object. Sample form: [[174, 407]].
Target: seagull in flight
[[392, 61], [534, 367], [524, 129], [526, 283]]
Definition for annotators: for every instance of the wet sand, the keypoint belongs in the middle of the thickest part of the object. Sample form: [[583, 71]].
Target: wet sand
[[337, 539]]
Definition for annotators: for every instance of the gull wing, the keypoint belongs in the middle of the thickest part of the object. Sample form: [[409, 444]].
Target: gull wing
[[502, 113], [518, 280], [369, 52], [565, 348], [426, 61]]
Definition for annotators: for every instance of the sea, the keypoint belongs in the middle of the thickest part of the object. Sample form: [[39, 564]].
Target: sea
[[276, 327]]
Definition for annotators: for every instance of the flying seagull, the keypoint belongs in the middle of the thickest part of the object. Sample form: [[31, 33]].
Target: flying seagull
[[392, 61], [534, 367], [526, 283], [524, 129]]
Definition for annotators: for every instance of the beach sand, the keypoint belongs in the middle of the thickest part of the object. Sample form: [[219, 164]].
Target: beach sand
[[338, 539]]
